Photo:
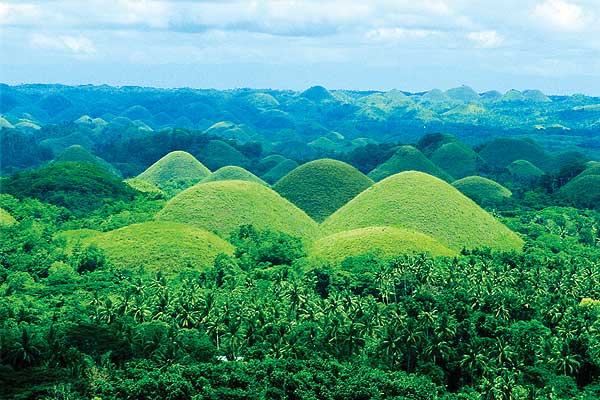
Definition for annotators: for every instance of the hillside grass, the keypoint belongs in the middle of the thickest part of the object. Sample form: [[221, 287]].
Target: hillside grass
[[168, 247], [320, 187], [6, 219], [233, 172], [145, 187], [417, 201], [408, 158], [279, 171], [500, 152], [482, 191], [223, 206], [175, 172], [381, 240], [523, 170], [582, 191], [217, 154], [457, 160], [77, 153]]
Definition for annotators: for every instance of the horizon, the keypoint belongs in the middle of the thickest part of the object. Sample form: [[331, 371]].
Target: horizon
[[549, 45]]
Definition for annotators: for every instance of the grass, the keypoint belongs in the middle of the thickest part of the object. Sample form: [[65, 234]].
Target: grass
[[145, 187], [417, 201], [232, 172], [499, 153], [407, 158], [482, 191], [6, 219], [223, 206], [383, 240], [160, 246], [175, 172], [217, 154], [457, 159], [77, 153], [279, 171], [592, 168], [322, 186], [523, 170], [582, 191]]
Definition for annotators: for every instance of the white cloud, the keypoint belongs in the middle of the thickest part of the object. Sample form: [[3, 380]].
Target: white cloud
[[486, 39], [11, 13], [561, 15], [79, 45], [393, 34]]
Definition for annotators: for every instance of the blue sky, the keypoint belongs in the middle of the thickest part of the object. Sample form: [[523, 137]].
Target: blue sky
[[416, 45]]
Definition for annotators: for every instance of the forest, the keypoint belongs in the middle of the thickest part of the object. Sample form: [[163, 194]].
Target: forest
[[187, 244]]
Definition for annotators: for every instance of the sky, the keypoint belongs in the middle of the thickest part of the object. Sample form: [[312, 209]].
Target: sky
[[414, 45]]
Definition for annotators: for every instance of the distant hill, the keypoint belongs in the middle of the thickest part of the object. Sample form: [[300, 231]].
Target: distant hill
[[224, 206], [457, 159], [482, 191], [232, 172], [500, 152], [524, 171], [77, 153], [407, 158], [279, 171], [217, 154], [426, 204], [175, 172], [583, 191], [320, 187]]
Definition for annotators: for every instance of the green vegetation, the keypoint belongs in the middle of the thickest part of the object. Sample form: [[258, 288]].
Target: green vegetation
[[77, 153], [175, 172], [279, 171], [217, 154], [501, 152], [583, 191], [383, 241], [231, 172], [145, 187], [407, 158], [421, 202], [80, 187], [224, 206], [6, 219], [524, 171], [483, 191], [320, 187], [457, 160], [160, 246]]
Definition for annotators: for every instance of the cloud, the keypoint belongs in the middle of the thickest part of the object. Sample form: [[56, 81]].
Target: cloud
[[486, 39], [79, 45], [394, 34], [17, 14], [561, 15]]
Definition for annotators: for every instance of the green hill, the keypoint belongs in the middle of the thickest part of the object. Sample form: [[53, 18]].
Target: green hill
[[320, 187], [217, 154], [463, 93], [421, 202], [524, 171], [317, 94], [583, 192], [230, 173], [223, 206], [500, 152], [407, 158], [6, 219], [536, 96], [160, 246], [592, 168], [175, 172], [385, 241], [77, 153], [279, 171], [457, 159], [435, 96], [512, 95], [145, 187], [482, 191]]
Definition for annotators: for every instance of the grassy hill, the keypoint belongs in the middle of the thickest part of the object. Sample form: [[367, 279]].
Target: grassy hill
[[217, 154], [160, 246], [145, 187], [77, 153], [320, 187], [279, 171], [382, 240], [6, 219], [457, 159], [583, 191], [232, 172], [175, 172], [524, 171], [482, 191], [421, 202], [223, 206], [407, 158], [499, 153]]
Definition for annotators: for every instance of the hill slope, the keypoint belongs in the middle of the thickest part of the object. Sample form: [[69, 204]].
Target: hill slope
[[320, 187], [280, 170], [160, 246], [77, 153], [6, 219], [407, 158], [582, 191], [386, 241], [175, 172], [421, 202], [457, 159], [499, 153], [223, 206], [482, 191], [232, 172]]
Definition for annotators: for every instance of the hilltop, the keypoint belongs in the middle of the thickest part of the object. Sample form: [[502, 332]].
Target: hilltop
[[482, 191], [407, 158], [232, 172]]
